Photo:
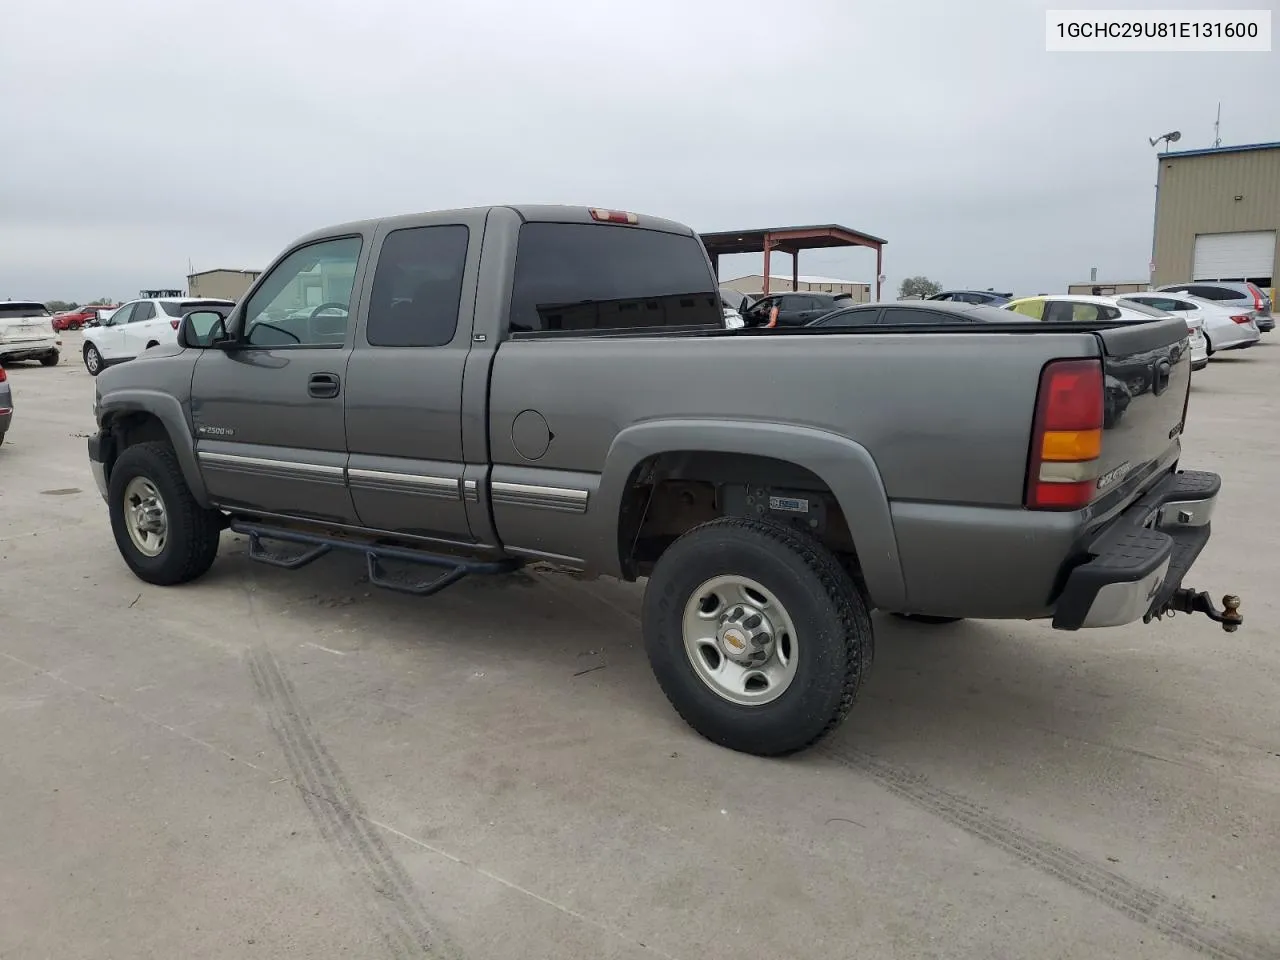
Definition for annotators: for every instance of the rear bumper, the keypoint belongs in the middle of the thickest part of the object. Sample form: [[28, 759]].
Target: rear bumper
[[1137, 563], [29, 349], [1265, 324]]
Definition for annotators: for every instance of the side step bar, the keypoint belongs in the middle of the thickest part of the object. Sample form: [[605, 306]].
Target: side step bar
[[455, 568]]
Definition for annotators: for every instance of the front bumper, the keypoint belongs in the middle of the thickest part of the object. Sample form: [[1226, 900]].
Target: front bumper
[[1137, 563], [97, 464]]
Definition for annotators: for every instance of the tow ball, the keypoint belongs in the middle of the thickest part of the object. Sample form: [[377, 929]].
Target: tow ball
[[1186, 600]]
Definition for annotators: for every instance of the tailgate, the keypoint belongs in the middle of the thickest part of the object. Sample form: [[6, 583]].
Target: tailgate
[[1147, 373]]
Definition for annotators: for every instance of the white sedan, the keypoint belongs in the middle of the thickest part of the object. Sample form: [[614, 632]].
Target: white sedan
[[1069, 307], [1226, 328], [137, 326]]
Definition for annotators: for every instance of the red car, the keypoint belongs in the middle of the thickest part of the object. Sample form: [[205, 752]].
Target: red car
[[75, 319]]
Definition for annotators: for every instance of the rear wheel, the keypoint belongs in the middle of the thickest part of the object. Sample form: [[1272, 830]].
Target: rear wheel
[[50, 359], [757, 635], [92, 360], [163, 535]]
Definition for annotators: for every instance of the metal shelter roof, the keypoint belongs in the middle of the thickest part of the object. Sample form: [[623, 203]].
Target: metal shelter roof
[[790, 240]]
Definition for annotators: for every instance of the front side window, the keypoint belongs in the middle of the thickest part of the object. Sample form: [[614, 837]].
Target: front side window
[[417, 287], [120, 316], [1029, 308], [573, 276], [306, 299]]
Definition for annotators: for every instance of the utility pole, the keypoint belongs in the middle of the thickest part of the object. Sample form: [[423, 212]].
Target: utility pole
[[1217, 140]]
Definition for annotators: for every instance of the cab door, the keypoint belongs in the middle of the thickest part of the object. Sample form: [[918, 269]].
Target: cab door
[[269, 412], [406, 471], [108, 336]]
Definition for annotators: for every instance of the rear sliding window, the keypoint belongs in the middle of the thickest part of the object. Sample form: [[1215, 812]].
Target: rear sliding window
[[576, 276]]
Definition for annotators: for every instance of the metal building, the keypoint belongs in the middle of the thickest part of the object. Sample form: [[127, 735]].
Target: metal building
[[221, 284], [1218, 215]]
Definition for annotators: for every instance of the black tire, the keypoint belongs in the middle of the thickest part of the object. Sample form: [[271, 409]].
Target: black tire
[[192, 536], [830, 615], [95, 366], [927, 618], [49, 359], [2, 433]]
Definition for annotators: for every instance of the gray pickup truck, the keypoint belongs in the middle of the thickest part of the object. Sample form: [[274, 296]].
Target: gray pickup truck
[[463, 391]]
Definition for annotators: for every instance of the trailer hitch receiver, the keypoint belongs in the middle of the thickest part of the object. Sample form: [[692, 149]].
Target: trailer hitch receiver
[[1187, 600]]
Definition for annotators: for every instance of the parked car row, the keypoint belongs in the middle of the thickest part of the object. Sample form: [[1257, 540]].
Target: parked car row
[[87, 316], [137, 326]]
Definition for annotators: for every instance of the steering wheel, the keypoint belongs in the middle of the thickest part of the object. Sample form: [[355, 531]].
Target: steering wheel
[[272, 326], [325, 306]]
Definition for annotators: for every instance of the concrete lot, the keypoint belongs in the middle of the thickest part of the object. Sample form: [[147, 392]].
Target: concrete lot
[[274, 764]]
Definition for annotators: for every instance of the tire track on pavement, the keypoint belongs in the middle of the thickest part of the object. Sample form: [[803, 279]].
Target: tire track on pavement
[[387, 891], [1173, 919]]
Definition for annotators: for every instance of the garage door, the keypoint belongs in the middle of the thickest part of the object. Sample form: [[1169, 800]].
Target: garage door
[[1234, 256]]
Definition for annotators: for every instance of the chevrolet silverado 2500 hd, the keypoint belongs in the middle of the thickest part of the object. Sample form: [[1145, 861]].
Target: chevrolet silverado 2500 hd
[[470, 389]]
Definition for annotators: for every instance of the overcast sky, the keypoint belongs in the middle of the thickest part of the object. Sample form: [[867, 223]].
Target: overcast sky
[[139, 136]]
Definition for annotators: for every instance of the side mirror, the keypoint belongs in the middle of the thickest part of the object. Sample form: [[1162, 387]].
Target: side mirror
[[201, 329]]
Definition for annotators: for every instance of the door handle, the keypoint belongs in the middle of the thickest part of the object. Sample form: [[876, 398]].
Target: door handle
[[323, 385]]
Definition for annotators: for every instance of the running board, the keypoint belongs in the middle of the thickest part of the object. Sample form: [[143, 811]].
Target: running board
[[455, 568]]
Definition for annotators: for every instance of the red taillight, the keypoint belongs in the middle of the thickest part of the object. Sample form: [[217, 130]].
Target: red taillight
[[1066, 441], [1257, 297], [3, 376], [1242, 318], [613, 216], [174, 323]]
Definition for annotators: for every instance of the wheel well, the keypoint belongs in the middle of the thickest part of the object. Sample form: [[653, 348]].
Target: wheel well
[[671, 493], [128, 429], [151, 343]]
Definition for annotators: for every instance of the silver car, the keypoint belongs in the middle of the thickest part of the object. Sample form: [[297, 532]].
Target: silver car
[[1234, 294]]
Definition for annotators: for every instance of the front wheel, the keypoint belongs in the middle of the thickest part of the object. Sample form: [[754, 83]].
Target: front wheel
[[757, 635], [163, 535], [92, 360]]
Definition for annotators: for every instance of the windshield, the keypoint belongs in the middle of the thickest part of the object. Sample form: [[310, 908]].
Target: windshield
[[11, 309]]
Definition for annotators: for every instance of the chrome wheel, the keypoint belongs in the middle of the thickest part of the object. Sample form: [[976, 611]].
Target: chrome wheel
[[92, 360], [740, 640], [145, 517]]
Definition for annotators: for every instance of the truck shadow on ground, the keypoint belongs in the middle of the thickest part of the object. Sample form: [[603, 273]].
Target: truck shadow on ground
[[989, 686]]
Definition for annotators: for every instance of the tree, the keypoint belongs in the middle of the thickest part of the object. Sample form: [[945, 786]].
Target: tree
[[60, 306], [102, 302], [921, 287]]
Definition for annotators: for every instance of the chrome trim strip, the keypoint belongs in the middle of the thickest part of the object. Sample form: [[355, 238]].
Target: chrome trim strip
[[263, 466], [415, 483], [1059, 471], [547, 498], [471, 491]]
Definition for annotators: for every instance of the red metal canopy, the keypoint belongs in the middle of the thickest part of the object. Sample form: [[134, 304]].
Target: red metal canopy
[[791, 240]]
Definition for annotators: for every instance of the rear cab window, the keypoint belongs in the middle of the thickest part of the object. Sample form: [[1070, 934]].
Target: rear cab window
[[574, 276], [417, 287]]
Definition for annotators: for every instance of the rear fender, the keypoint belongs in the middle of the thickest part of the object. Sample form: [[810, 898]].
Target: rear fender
[[843, 465]]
